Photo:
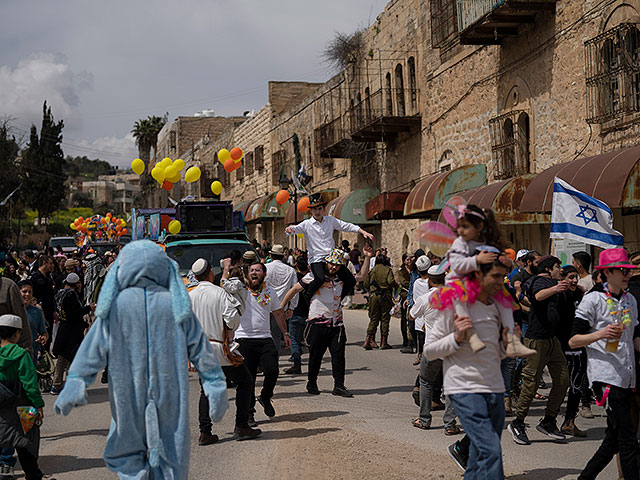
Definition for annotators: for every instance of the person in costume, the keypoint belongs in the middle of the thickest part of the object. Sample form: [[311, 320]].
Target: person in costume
[[318, 231], [146, 329]]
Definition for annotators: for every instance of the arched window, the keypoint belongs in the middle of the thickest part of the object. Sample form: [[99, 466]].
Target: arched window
[[405, 243], [413, 91], [400, 92], [367, 103], [631, 55], [610, 64], [388, 105], [446, 161], [522, 145], [508, 153]]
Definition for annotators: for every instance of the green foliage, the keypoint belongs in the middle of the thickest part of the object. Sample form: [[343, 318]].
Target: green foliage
[[81, 199], [42, 166], [85, 167], [10, 179]]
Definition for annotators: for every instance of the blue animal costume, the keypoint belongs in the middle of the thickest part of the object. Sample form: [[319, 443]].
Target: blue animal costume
[[146, 331]]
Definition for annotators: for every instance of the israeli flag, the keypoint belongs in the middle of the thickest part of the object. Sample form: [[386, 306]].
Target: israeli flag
[[577, 216]]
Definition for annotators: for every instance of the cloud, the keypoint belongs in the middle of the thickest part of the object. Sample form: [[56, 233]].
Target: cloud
[[117, 151], [40, 77]]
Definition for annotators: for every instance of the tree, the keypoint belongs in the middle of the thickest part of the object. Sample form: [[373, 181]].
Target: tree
[[9, 180], [85, 167], [42, 165], [146, 132]]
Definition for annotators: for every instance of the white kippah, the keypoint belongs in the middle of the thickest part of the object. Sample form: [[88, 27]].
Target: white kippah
[[199, 266], [72, 279], [9, 320], [423, 263], [434, 270]]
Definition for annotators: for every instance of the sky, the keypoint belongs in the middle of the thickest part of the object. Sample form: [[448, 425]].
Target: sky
[[103, 65]]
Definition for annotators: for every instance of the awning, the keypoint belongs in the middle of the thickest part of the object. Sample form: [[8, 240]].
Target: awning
[[612, 177], [386, 206], [292, 216], [504, 198], [350, 207], [242, 207], [264, 208], [433, 192]]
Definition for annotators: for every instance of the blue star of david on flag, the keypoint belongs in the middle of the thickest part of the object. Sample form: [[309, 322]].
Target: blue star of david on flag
[[587, 214]]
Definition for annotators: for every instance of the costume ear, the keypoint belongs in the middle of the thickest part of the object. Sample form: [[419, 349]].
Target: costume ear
[[180, 301], [108, 292]]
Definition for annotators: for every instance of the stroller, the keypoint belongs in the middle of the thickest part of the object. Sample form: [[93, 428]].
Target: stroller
[[45, 367]]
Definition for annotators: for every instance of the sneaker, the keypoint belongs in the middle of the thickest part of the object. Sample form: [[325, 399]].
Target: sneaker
[[454, 452], [207, 439], [519, 433], [269, 411], [247, 433], [312, 388], [55, 391], [252, 421], [550, 429], [6, 472], [342, 392]]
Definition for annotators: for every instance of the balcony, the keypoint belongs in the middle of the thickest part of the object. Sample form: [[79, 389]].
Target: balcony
[[384, 114], [333, 140], [488, 22]]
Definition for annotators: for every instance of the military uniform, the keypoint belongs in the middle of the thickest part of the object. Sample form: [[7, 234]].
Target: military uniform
[[380, 283]]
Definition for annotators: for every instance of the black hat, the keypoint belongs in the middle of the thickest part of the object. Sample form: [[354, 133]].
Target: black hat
[[317, 200]]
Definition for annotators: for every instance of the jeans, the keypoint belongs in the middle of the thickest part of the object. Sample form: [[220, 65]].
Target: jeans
[[296, 330], [429, 372], [242, 378], [260, 352], [7, 456], [482, 417], [62, 365], [619, 436], [507, 367], [319, 338]]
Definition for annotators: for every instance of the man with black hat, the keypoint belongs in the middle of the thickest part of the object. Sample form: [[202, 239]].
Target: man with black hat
[[318, 231]]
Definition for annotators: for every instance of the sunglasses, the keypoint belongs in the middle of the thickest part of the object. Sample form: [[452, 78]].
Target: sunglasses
[[625, 271]]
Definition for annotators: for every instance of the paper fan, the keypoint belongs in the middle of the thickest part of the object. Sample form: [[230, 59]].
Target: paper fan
[[436, 236], [450, 210]]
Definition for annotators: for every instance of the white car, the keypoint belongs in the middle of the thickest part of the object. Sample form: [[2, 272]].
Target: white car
[[68, 244]]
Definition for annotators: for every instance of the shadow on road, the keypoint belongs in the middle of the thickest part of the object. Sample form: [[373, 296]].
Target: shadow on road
[[381, 390], [296, 433], [545, 474], [102, 432], [98, 395], [306, 416], [52, 464]]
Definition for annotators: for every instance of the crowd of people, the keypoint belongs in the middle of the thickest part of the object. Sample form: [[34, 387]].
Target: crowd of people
[[484, 323]]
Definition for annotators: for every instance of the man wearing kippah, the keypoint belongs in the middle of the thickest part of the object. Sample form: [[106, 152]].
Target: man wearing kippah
[[325, 327]]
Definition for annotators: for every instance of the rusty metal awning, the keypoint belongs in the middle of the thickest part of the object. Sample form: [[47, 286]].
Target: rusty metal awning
[[433, 192], [351, 206], [292, 216], [242, 207], [504, 198], [386, 206], [264, 209], [612, 177]]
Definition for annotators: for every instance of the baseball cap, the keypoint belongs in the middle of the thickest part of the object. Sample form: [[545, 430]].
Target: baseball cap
[[423, 263]]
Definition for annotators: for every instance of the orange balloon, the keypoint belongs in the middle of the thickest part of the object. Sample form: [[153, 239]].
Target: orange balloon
[[237, 164], [282, 197], [236, 153], [109, 215], [124, 231], [229, 165], [303, 204], [166, 185]]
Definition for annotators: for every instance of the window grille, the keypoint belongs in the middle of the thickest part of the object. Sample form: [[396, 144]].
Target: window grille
[[510, 144], [258, 157], [444, 21], [277, 160]]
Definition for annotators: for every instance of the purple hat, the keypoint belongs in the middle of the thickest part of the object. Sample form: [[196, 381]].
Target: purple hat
[[614, 258]]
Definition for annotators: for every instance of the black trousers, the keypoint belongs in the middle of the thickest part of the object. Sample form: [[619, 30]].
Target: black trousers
[[244, 385], [577, 364], [619, 436], [260, 352], [29, 464], [344, 275], [319, 338]]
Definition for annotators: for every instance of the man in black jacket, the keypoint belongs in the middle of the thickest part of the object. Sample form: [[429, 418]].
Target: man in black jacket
[[43, 289]]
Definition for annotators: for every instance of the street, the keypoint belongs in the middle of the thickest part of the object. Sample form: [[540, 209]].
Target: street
[[368, 436]]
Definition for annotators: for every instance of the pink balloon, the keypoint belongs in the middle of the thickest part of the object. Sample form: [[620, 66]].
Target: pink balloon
[[436, 236]]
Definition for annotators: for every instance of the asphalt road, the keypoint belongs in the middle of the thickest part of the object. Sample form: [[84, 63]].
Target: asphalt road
[[368, 436]]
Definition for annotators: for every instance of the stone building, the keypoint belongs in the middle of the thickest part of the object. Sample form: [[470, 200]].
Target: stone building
[[117, 192]]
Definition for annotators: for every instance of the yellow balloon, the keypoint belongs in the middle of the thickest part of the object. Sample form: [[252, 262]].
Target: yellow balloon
[[223, 155], [164, 163], [123, 223], [216, 187], [174, 227], [84, 225], [137, 166], [192, 174], [166, 160], [170, 171], [176, 178], [72, 226], [160, 176], [179, 164]]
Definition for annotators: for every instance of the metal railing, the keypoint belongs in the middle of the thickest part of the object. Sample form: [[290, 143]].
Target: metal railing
[[470, 11], [331, 133], [510, 144], [385, 102]]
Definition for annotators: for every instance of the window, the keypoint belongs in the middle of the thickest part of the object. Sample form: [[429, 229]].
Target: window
[[400, 91], [510, 143], [258, 157], [172, 140], [277, 161], [445, 162], [443, 21], [413, 91], [388, 104], [240, 170], [248, 163], [613, 74]]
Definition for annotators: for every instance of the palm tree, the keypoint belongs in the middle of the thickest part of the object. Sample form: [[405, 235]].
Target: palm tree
[[144, 140], [155, 124]]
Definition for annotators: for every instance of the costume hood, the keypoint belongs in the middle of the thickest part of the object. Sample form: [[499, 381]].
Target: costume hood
[[10, 355], [142, 264]]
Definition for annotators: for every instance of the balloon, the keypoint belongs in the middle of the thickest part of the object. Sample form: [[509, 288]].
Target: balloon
[[73, 226], [229, 166], [223, 155], [123, 222], [170, 171], [303, 204], [300, 235], [174, 227], [166, 185], [118, 228], [236, 154], [176, 178], [166, 161], [137, 166], [124, 231], [437, 236], [157, 173], [237, 165], [192, 175], [179, 164], [216, 187], [282, 197], [84, 225], [109, 215]]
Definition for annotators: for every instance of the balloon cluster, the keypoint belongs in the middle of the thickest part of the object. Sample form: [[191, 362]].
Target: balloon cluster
[[230, 158], [282, 197], [167, 172], [98, 227]]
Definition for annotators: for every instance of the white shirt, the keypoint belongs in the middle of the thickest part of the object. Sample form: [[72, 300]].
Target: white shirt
[[255, 321], [610, 368], [423, 311], [212, 306], [325, 307], [420, 288], [465, 371], [281, 278], [586, 283], [319, 235]]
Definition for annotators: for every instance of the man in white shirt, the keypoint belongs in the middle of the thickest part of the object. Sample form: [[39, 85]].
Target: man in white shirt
[[474, 380], [218, 311], [318, 233], [254, 335], [582, 262], [280, 278]]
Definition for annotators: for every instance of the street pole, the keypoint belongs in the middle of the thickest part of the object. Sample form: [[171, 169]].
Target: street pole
[[295, 213]]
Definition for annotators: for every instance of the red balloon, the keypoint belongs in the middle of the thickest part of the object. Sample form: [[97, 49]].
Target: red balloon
[[235, 153], [303, 204], [237, 165], [282, 197], [229, 165], [124, 231], [167, 185]]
